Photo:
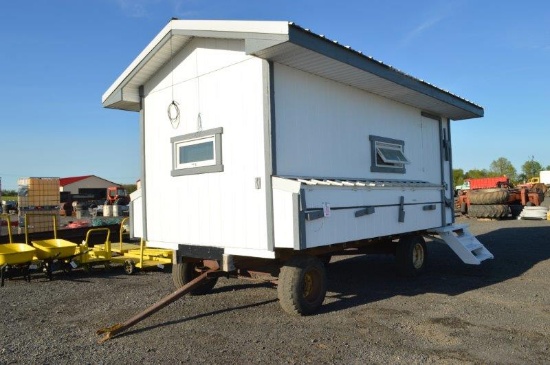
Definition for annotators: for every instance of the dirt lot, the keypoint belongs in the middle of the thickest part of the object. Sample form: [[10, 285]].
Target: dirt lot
[[498, 313]]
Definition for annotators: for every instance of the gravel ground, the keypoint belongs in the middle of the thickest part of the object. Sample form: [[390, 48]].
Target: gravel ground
[[497, 313]]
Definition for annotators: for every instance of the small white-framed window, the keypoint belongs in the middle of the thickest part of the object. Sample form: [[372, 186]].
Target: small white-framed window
[[387, 155], [197, 153]]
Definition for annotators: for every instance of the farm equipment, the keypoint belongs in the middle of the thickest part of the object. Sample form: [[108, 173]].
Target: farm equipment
[[497, 203], [53, 249], [15, 255], [541, 182], [142, 258], [122, 247], [117, 195], [133, 256], [482, 183], [87, 256]]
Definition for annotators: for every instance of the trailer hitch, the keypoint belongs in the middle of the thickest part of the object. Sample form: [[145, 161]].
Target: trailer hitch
[[112, 331]]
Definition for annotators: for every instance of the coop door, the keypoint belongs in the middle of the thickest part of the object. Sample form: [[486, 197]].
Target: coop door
[[436, 160], [447, 172]]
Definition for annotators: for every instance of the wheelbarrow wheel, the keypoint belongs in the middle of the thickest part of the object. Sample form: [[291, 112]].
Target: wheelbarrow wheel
[[184, 272], [129, 267], [67, 268]]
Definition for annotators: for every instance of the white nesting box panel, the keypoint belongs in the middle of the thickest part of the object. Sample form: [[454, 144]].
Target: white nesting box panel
[[217, 86], [323, 130]]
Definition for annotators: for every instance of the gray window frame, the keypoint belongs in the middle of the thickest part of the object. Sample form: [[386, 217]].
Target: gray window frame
[[216, 133], [397, 168]]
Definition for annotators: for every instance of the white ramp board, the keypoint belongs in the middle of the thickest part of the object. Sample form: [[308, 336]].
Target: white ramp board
[[463, 243]]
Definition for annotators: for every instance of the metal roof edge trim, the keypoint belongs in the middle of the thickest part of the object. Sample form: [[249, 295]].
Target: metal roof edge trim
[[259, 35], [317, 43]]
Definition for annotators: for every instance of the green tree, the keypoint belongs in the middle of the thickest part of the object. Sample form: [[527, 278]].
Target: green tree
[[130, 188], [531, 168], [503, 167], [476, 173], [458, 177]]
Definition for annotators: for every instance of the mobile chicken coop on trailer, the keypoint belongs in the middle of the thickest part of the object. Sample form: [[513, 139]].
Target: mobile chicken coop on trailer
[[269, 148]]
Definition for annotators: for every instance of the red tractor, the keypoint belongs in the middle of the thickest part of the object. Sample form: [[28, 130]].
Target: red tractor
[[117, 195]]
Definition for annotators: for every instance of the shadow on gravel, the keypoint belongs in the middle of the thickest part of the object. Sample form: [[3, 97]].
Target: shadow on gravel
[[365, 279], [247, 286], [198, 316]]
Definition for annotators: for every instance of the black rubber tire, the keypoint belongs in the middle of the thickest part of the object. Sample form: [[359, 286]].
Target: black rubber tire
[[411, 254], [488, 196], [515, 210], [463, 208], [184, 272], [302, 285], [493, 211], [129, 267], [325, 259]]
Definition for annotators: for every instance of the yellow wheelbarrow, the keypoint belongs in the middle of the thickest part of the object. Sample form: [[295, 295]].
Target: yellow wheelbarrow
[[15, 255], [50, 250]]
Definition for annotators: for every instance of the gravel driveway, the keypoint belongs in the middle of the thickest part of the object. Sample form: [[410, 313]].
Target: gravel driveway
[[497, 313]]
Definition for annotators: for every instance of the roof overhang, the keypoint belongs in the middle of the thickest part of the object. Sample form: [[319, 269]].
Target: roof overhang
[[291, 45]]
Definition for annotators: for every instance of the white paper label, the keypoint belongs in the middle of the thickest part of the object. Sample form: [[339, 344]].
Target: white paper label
[[326, 210]]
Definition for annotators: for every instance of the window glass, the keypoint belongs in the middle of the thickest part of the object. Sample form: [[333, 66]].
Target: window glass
[[197, 152], [387, 155]]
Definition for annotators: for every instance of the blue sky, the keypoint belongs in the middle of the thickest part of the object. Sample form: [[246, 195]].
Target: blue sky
[[59, 56]]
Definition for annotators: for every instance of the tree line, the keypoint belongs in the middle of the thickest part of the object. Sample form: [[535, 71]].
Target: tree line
[[502, 167]]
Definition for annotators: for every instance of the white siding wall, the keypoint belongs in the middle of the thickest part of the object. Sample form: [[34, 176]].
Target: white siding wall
[[323, 130], [216, 79]]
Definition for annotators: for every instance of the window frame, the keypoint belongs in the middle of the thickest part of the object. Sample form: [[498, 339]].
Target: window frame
[[381, 163], [198, 167]]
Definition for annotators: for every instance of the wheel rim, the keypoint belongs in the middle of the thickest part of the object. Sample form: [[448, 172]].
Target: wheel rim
[[418, 256], [312, 285]]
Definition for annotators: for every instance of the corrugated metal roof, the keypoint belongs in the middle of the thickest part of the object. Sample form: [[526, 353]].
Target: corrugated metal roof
[[297, 47]]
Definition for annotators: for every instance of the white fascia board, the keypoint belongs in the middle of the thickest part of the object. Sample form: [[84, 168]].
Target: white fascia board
[[120, 81], [237, 26], [257, 34]]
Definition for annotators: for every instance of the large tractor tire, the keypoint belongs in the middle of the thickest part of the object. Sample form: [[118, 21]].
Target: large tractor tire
[[184, 272], [302, 285], [488, 196], [493, 211]]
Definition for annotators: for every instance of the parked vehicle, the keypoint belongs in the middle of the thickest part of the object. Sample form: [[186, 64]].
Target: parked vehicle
[[117, 195], [482, 183]]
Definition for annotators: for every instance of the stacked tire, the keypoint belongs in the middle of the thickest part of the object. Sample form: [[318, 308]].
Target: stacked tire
[[488, 203]]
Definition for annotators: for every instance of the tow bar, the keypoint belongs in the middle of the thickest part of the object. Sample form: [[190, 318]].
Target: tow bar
[[112, 331]]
